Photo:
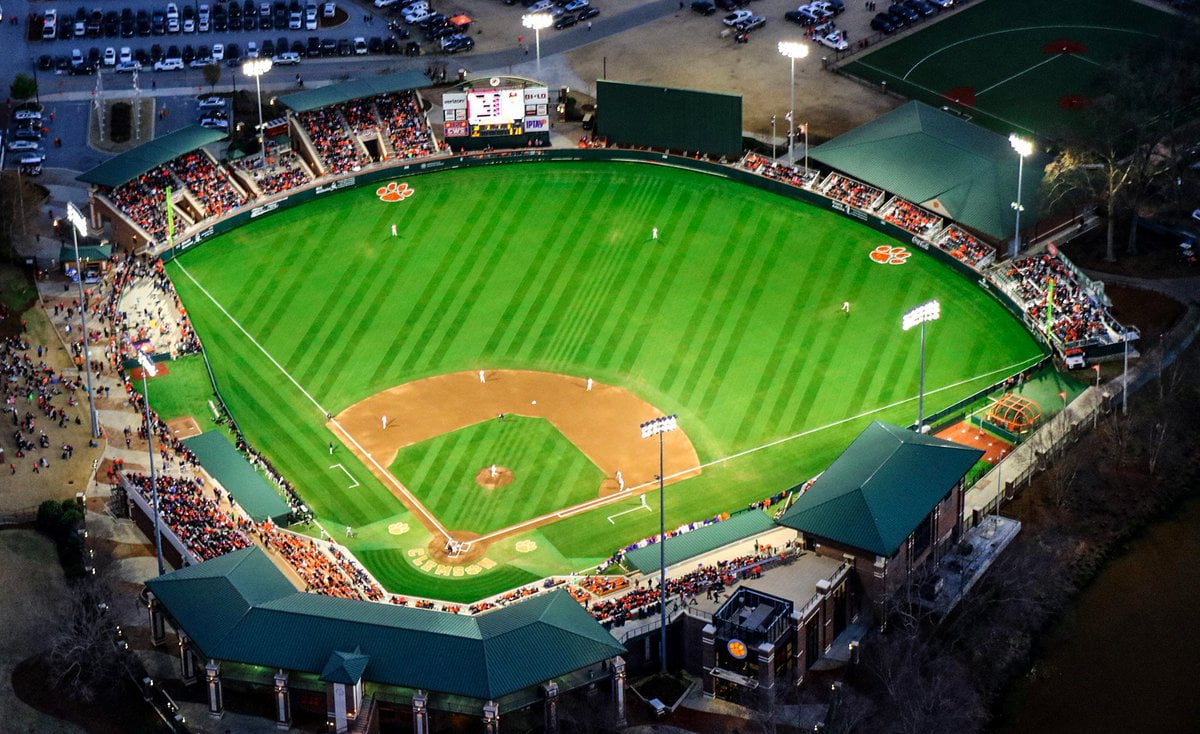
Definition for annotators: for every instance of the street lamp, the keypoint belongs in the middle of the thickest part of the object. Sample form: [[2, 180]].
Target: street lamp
[[657, 427], [148, 371], [79, 228], [793, 50], [537, 21], [918, 316], [256, 68], [1023, 148]]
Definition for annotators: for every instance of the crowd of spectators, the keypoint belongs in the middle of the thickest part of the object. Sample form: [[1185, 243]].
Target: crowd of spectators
[[207, 182], [285, 173], [962, 245], [913, 218], [37, 399], [853, 193], [331, 139], [324, 571], [194, 518], [793, 175], [405, 124], [619, 556], [359, 115], [142, 199], [1077, 314], [604, 585]]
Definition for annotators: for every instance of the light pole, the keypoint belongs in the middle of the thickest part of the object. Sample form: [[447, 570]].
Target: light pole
[[657, 427], [1023, 148], [773, 156], [918, 316], [537, 21], [148, 371], [79, 227], [793, 50], [256, 68], [1125, 376]]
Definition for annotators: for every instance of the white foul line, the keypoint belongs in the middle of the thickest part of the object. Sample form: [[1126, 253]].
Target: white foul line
[[395, 482], [339, 466]]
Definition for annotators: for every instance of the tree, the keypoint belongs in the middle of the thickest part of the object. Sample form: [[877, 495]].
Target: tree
[[212, 75], [83, 658], [23, 87]]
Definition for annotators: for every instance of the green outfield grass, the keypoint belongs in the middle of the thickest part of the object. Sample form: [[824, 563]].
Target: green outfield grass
[[183, 391], [996, 49], [731, 319], [441, 473]]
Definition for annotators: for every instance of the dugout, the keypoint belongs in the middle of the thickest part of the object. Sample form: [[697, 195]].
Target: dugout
[[666, 118], [943, 163]]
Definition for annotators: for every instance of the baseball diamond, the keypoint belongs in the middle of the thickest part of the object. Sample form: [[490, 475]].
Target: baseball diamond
[[543, 277]]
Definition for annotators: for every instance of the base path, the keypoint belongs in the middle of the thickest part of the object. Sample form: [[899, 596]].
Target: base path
[[603, 423]]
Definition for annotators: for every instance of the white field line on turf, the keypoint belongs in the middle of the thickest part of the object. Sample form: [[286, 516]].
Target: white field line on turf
[[652, 484], [642, 506], [1047, 60], [1073, 26], [348, 474], [395, 482]]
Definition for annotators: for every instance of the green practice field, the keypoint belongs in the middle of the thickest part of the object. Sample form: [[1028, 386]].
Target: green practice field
[[1001, 62], [441, 472], [732, 320]]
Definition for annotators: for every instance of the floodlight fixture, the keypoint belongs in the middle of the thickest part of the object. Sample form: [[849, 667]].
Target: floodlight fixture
[[792, 50]]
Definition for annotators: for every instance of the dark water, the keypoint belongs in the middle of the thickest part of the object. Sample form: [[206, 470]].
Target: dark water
[[1127, 659]]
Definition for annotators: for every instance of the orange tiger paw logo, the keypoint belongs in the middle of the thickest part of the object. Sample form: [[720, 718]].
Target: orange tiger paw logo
[[890, 255], [394, 192]]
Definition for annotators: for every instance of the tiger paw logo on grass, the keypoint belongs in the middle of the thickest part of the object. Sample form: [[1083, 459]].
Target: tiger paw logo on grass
[[890, 255], [394, 192]]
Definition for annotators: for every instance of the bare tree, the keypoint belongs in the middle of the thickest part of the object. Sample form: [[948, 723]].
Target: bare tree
[[83, 657]]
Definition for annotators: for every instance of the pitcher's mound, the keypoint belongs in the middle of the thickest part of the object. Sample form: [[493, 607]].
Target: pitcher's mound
[[484, 478]]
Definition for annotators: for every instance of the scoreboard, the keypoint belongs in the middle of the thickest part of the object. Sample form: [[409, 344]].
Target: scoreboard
[[495, 110]]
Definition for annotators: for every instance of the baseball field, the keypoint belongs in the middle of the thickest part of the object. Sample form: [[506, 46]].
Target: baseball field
[[482, 375], [1022, 66]]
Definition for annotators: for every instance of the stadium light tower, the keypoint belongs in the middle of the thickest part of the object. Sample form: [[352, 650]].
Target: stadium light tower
[[918, 316], [256, 68], [1023, 148], [658, 427], [537, 21], [79, 229], [148, 371], [793, 50]]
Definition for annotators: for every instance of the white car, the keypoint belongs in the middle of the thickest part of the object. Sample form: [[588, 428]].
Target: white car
[[211, 103], [126, 55], [574, 5], [328, 10], [218, 52], [76, 57], [385, 3], [168, 65], [199, 63], [23, 146], [310, 16], [110, 56], [24, 115], [127, 66], [251, 49], [835, 41], [295, 20], [737, 16], [287, 58], [541, 6], [189, 25], [215, 123], [203, 17], [416, 15], [360, 46], [172, 11]]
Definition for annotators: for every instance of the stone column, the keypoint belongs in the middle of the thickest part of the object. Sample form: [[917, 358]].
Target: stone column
[[708, 658], [619, 690], [283, 702], [551, 692], [158, 627], [798, 650], [420, 709], [216, 699], [187, 660], [337, 711], [766, 666], [491, 718]]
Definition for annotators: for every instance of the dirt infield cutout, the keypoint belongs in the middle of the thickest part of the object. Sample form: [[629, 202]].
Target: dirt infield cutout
[[601, 422]]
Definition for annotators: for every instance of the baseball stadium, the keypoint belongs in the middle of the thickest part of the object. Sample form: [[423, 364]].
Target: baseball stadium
[[406, 380]]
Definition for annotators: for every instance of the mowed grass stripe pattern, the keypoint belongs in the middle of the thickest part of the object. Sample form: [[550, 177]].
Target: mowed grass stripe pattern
[[731, 319], [549, 473]]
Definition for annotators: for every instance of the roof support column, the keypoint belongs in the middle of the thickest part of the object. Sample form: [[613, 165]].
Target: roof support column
[[491, 718], [420, 711], [708, 658], [283, 702], [158, 629], [216, 698], [619, 691], [551, 691], [766, 666], [187, 660]]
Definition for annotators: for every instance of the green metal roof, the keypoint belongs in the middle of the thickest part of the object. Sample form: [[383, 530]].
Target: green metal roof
[[312, 99], [345, 667], [220, 459], [239, 607], [131, 164], [86, 253], [883, 485], [942, 162], [697, 542]]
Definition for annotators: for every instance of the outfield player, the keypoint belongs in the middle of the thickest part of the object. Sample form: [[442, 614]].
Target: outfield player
[[394, 232], [654, 233], [845, 307]]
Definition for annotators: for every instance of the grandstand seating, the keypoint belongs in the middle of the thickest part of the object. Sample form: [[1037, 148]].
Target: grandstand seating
[[962, 245], [331, 138], [911, 217], [1077, 316], [207, 182], [848, 191], [285, 173]]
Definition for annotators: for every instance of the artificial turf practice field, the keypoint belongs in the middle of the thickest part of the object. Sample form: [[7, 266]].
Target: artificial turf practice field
[[732, 319], [1023, 66]]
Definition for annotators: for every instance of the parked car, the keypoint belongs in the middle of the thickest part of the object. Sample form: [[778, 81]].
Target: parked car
[[22, 146], [574, 5], [214, 123], [329, 10], [211, 103], [287, 58], [218, 52], [110, 56], [589, 12], [737, 16], [454, 44], [835, 40], [752, 24], [168, 65], [566, 20], [882, 23]]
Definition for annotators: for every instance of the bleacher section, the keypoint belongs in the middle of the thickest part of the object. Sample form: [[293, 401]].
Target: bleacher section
[[1079, 315]]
